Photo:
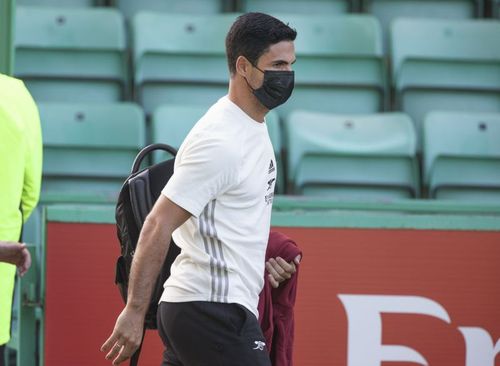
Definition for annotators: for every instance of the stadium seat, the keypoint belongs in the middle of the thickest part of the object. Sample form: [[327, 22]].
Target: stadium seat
[[446, 65], [62, 3], [295, 6], [88, 149], [172, 123], [180, 59], [71, 55], [462, 156], [388, 10], [496, 8], [352, 157], [340, 66], [130, 8]]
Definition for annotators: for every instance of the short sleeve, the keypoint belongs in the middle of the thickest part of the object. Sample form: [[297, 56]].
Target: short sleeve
[[206, 168]]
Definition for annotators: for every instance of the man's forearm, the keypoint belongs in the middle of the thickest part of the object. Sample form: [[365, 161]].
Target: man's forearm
[[149, 256]]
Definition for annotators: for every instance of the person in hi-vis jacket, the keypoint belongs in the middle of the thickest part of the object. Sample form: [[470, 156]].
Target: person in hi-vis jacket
[[21, 170]]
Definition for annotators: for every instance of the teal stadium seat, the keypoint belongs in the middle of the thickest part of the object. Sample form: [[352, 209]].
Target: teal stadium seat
[[71, 55], [62, 3], [446, 65], [130, 8], [352, 157], [495, 12], [172, 123], [340, 66], [388, 10], [296, 6], [180, 59], [88, 150], [462, 156]]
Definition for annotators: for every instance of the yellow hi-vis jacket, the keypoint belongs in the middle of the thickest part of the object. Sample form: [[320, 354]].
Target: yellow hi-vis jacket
[[20, 177]]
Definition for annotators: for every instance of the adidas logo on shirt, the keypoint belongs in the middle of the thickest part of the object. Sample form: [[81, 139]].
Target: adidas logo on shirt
[[271, 167]]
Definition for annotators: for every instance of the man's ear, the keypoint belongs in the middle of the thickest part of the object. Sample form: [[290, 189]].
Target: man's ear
[[242, 66]]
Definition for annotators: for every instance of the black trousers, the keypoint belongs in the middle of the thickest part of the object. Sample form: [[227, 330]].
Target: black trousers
[[210, 334]]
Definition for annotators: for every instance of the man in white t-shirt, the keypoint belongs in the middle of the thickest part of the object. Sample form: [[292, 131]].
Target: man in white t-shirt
[[217, 207]]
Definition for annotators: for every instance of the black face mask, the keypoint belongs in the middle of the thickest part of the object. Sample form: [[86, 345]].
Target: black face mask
[[276, 88]]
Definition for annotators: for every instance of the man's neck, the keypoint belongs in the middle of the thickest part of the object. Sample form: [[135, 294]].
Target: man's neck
[[247, 102]]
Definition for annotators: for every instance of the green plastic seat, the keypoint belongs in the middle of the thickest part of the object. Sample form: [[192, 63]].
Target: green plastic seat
[[62, 3], [130, 8], [88, 150], [340, 67], [70, 54], [352, 156], [296, 6], [388, 10], [180, 59], [462, 156], [171, 124], [446, 65]]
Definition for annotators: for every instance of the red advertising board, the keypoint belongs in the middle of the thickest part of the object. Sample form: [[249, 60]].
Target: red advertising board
[[366, 297], [370, 297]]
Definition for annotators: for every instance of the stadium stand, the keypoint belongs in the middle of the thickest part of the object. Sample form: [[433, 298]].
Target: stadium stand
[[445, 65], [179, 58], [353, 157], [130, 8], [340, 66], [71, 55], [88, 149], [171, 124], [388, 10], [462, 156], [295, 6]]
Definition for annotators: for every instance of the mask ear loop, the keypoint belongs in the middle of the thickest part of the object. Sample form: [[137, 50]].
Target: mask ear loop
[[254, 66]]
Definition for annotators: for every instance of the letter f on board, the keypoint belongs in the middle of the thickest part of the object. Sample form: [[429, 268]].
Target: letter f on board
[[365, 346]]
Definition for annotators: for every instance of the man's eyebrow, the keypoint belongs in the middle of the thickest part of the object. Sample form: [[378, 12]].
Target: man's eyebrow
[[284, 62]]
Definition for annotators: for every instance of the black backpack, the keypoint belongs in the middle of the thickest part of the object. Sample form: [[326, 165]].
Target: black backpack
[[137, 196]]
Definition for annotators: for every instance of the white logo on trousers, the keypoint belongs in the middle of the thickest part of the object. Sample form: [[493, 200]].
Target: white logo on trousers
[[259, 345]]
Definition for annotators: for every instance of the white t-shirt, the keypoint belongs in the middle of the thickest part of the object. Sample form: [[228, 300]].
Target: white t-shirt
[[224, 175]]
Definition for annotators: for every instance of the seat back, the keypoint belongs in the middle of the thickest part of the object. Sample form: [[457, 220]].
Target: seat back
[[295, 6], [388, 10], [462, 155], [352, 156], [180, 59], [340, 67], [130, 8], [61, 3], [446, 65], [88, 149], [71, 55]]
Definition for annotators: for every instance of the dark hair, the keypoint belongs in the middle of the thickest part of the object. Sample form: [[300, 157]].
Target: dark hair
[[252, 34]]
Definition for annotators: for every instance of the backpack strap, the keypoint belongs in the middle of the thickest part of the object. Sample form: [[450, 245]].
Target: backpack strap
[[144, 152], [134, 360], [140, 197]]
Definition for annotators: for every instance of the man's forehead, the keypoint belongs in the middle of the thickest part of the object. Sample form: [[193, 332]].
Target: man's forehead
[[281, 51]]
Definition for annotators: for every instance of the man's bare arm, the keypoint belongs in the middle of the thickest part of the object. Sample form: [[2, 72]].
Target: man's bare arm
[[152, 248]]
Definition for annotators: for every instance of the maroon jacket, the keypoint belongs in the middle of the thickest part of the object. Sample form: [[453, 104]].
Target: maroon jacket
[[276, 304]]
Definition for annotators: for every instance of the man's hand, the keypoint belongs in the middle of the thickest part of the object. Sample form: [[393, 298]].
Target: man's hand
[[16, 254], [280, 270], [126, 337]]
